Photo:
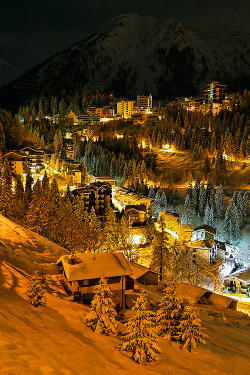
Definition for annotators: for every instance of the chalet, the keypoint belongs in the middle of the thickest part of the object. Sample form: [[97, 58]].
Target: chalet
[[238, 282], [82, 272], [97, 195], [143, 275], [203, 232]]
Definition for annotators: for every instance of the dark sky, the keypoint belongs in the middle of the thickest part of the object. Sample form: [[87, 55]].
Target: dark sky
[[33, 30]]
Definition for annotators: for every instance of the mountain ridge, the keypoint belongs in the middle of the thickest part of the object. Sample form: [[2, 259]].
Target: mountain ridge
[[137, 54]]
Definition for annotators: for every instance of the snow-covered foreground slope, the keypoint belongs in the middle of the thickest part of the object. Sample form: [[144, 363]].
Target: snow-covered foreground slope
[[26, 249], [53, 339]]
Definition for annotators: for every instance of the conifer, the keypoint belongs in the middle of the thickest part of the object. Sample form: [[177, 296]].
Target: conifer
[[169, 312], [140, 336], [190, 328], [219, 202], [36, 291], [102, 316]]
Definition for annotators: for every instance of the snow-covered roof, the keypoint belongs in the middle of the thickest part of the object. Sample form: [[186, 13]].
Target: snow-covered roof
[[139, 270], [85, 266], [243, 274], [206, 227]]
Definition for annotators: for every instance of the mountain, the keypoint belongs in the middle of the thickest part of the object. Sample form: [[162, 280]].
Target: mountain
[[136, 55], [8, 72]]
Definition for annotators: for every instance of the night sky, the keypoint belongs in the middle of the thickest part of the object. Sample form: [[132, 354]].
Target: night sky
[[33, 30]]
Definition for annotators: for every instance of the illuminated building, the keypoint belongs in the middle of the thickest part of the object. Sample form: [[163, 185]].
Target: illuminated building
[[144, 102], [215, 93], [82, 272], [124, 108], [17, 162], [238, 282], [35, 158], [97, 195]]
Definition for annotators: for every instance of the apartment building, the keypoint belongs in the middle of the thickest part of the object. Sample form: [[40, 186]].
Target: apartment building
[[125, 108]]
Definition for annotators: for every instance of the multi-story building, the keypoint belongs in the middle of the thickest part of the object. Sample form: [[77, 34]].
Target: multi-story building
[[17, 162], [35, 158], [215, 92], [125, 108], [89, 119], [144, 102], [97, 195]]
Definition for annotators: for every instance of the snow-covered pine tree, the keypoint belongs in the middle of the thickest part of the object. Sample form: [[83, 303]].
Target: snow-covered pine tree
[[219, 202], [202, 199], [36, 291], [163, 201], [190, 328], [187, 214], [169, 312], [140, 337], [157, 203], [208, 215], [102, 316]]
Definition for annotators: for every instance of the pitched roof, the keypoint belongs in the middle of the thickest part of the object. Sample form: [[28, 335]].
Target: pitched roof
[[220, 245], [243, 274], [94, 265], [206, 227], [139, 270]]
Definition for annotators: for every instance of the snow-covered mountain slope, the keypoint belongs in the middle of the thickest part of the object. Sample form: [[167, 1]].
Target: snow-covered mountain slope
[[53, 339], [136, 54], [26, 249], [8, 72]]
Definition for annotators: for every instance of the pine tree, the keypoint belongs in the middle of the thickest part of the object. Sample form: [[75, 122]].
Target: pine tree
[[102, 316], [85, 176], [161, 250], [111, 230], [140, 337], [219, 202], [151, 192], [36, 291], [187, 213], [157, 204], [190, 328], [169, 312], [202, 199]]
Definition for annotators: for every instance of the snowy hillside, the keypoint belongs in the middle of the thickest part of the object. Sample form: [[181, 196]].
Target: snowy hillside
[[8, 73], [136, 54], [26, 249], [53, 339]]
